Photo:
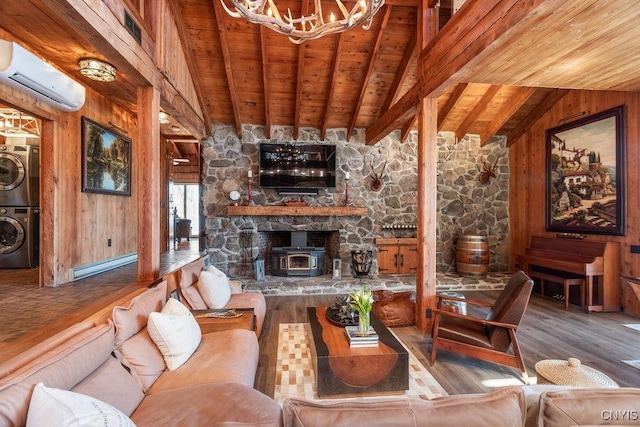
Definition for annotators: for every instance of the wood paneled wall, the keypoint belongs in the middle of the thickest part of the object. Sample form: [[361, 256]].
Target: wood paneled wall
[[85, 221], [527, 164]]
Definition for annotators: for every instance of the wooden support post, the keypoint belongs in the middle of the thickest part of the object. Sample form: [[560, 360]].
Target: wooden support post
[[427, 183], [146, 167]]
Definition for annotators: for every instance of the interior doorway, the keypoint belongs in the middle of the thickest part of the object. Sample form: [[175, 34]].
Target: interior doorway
[[185, 199]]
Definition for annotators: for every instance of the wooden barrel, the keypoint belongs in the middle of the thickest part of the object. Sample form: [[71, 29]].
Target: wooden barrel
[[472, 256]]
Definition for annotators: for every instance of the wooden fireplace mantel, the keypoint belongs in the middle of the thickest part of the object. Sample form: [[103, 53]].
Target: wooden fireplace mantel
[[296, 211]]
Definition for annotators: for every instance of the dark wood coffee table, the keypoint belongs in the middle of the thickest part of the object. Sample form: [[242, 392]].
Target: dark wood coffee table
[[215, 324], [342, 371]]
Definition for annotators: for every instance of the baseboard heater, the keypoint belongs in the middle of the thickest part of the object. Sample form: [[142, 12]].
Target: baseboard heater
[[82, 271]]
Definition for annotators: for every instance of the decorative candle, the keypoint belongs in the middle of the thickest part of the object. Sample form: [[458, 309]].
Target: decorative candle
[[346, 176], [249, 174]]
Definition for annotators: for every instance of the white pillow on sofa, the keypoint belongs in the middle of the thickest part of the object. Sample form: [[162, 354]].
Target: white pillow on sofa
[[214, 288], [176, 333], [55, 407]]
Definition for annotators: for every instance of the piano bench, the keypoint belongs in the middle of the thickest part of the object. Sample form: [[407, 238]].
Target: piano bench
[[565, 279]]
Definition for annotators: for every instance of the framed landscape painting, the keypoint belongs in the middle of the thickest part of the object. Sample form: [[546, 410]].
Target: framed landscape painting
[[106, 160], [585, 175]]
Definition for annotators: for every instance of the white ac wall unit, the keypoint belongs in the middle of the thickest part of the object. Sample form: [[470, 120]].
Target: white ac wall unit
[[25, 71]]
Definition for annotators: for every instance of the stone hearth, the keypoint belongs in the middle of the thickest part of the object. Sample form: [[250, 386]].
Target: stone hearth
[[394, 282]]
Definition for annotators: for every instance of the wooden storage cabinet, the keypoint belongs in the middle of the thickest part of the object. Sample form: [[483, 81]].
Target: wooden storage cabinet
[[397, 256]]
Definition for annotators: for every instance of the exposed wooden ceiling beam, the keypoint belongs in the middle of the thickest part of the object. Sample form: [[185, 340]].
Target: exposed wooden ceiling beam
[[224, 42], [265, 80], [478, 109], [372, 61], [500, 118], [332, 85], [406, 129], [193, 69], [448, 106], [476, 26], [549, 101], [403, 70], [396, 116]]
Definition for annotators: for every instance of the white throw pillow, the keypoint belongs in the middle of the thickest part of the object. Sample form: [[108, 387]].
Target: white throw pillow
[[55, 407], [176, 333], [214, 288]]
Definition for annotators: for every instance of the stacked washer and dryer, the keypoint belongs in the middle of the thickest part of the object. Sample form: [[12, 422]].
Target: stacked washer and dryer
[[19, 205]]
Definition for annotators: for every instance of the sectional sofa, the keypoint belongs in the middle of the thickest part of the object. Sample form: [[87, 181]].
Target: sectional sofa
[[119, 372]]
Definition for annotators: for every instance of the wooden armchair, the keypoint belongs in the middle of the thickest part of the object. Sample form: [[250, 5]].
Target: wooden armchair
[[491, 338]]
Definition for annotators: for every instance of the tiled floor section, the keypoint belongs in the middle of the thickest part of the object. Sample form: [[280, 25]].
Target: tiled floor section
[[26, 307], [295, 376]]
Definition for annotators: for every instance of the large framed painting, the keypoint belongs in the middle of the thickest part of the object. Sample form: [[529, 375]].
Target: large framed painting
[[585, 175], [106, 160]]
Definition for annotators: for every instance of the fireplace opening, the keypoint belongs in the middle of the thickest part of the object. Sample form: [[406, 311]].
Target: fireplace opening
[[299, 253]]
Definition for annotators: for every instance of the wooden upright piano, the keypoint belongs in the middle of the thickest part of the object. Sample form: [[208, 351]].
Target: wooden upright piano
[[598, 262]]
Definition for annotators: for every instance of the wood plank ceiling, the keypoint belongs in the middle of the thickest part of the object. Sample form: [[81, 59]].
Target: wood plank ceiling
[[510, 73]]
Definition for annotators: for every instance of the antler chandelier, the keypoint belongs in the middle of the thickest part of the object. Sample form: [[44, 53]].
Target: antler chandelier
[[306, 27]]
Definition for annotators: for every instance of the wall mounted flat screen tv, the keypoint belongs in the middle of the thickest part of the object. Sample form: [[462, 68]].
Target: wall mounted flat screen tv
[[294, 166]]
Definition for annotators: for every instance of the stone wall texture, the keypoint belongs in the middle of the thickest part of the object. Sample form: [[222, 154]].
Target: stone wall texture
[[464, 204]]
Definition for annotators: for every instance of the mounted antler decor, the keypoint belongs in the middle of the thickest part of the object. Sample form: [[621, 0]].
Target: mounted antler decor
[[376, 178], [488, 171]]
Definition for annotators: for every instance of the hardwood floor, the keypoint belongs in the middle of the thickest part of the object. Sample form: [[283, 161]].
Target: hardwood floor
[[547, 332]]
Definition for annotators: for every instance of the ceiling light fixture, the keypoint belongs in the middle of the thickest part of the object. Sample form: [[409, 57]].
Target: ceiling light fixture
[[307, 27], [163, 118], [15, 124], [96, 69]]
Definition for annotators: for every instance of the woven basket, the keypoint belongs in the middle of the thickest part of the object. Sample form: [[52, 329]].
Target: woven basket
[[571, 373]]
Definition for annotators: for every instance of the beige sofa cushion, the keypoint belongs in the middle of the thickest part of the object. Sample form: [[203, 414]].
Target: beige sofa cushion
[[209, 405], [226, 356], [132, 319], [188, 280], [502, 408], [123, 392], [62, 367], [56, 407], [253, 300], [592, 406], [134, 347]]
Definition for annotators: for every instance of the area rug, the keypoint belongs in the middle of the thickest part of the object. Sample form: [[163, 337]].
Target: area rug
[[295, 376], [634, 326]]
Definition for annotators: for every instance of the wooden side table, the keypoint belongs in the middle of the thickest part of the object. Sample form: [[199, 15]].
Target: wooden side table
[[216, 324]]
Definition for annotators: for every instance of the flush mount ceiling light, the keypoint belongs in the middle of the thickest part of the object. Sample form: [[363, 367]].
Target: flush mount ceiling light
[[163, 118], [97, 69], [307, 27]]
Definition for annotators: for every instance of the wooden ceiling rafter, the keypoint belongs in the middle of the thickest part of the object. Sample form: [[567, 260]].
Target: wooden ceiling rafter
[[403, 71], [478, 109], [265, 80], [468, 33], [501, 117], [405, 132], [226, 54], [372, 61], [448, 106], [540, 110], [191, 65], [332, 85]]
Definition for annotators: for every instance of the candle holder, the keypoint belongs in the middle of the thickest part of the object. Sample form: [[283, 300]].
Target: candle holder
[[249, 188], [346, 191]]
